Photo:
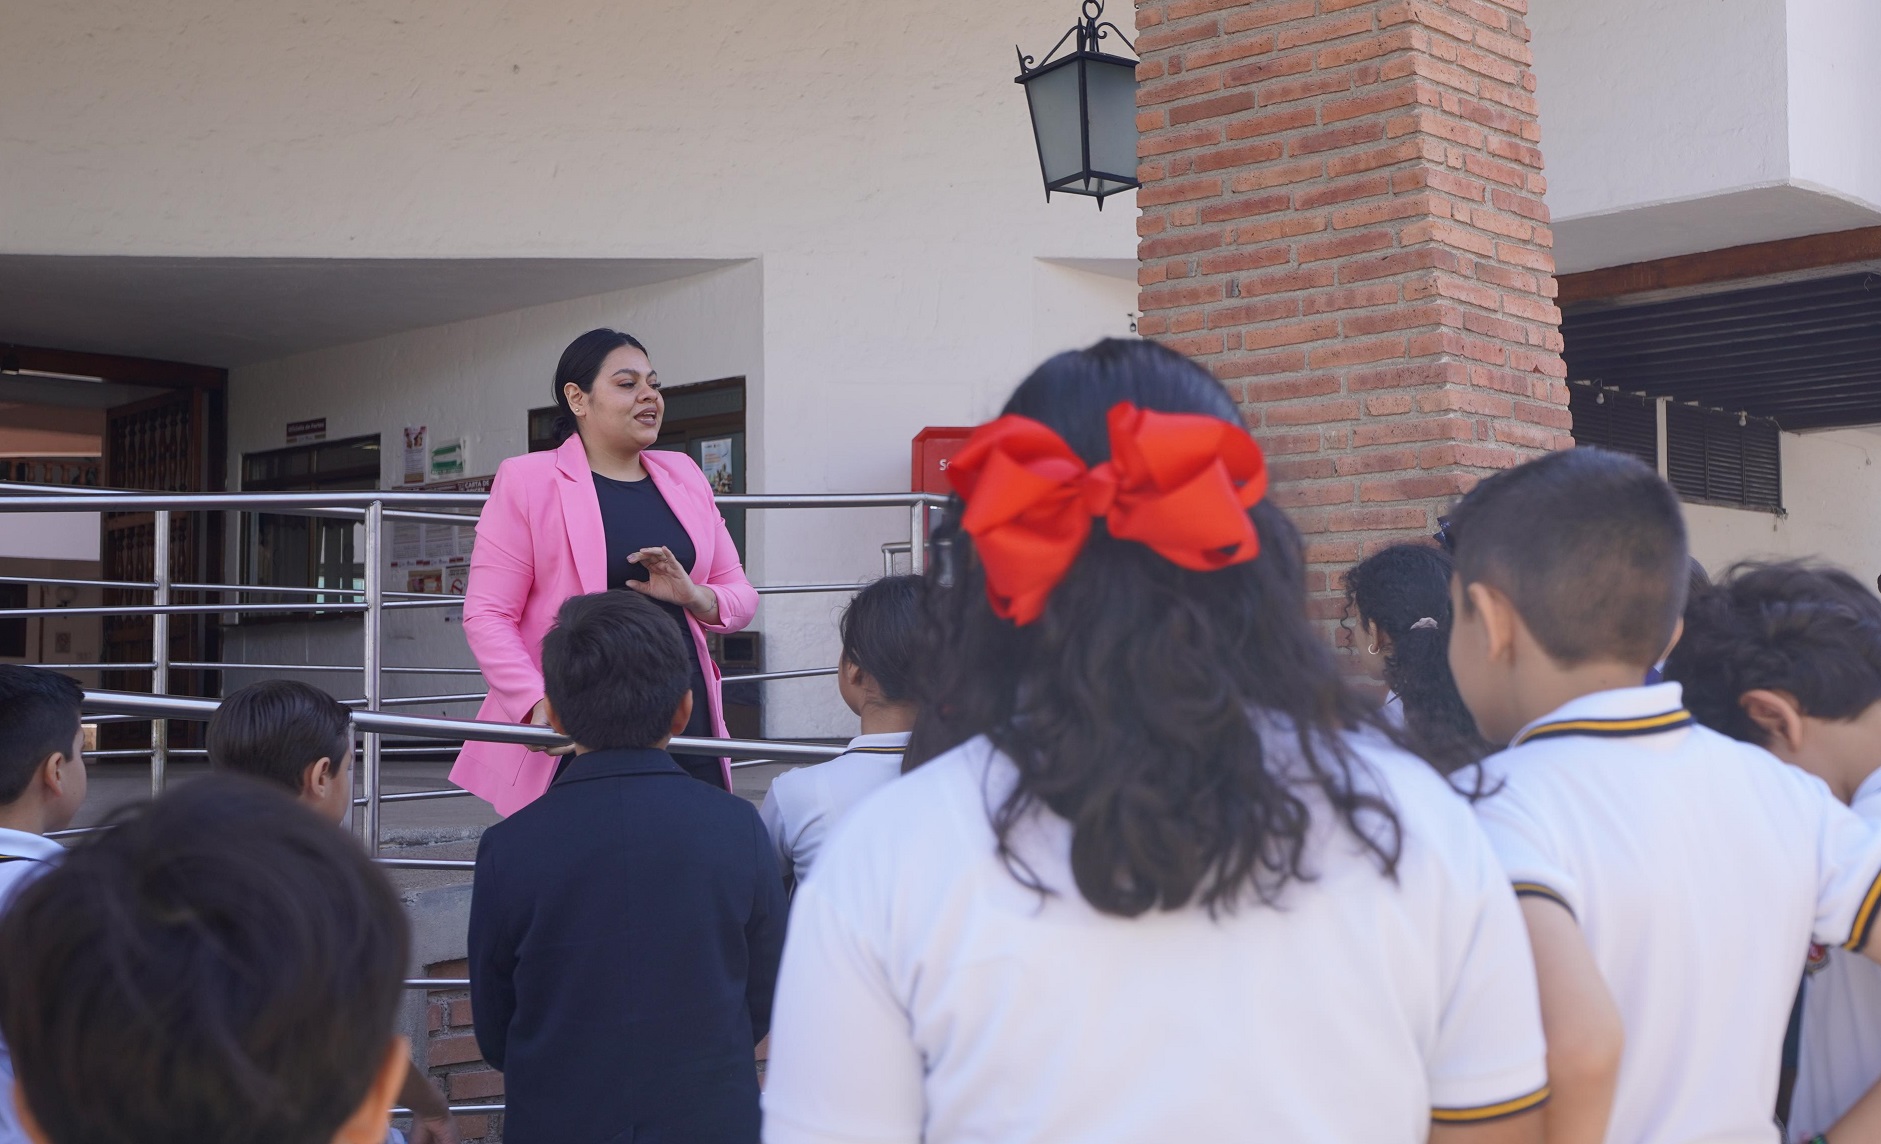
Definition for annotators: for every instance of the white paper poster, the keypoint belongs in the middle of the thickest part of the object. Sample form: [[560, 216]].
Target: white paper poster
[[715, 458], [414, 454]]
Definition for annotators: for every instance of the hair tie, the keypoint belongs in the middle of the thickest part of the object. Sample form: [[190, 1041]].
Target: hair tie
[[1180, 483], [1424, 625]]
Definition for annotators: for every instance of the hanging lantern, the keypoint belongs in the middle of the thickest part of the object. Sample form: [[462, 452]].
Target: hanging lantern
[[1084, 111]]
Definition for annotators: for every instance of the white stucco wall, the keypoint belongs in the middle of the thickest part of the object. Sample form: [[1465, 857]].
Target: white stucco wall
[[1835, 90], [1832, 491], [872, 161], [1674, 126], [49, 535]]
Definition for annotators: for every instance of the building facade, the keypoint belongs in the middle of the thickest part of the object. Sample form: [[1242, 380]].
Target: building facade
[[1380, 222]]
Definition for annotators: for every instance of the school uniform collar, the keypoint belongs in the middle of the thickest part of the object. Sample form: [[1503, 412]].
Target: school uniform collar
[[19, 845], [1869, 793], [620, 763], [1624, 712], [886, 743]]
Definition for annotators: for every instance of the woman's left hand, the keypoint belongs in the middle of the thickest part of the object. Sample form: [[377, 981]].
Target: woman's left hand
[[667, 580]]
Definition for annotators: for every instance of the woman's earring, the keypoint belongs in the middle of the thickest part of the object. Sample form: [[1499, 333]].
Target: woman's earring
[[1372, 650]]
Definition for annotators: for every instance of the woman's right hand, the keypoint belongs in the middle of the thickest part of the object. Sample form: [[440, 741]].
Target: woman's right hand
[[539, 717]]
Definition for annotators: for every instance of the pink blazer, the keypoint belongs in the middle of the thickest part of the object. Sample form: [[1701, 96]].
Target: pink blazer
[[539, 542]]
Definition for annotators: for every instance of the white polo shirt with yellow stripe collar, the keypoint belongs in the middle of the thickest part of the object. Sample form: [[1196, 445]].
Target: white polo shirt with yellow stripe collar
[[23, 857], [1839, 1054], [1699, 868], [927, 995]]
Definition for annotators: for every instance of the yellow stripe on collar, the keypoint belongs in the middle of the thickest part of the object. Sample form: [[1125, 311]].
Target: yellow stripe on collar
[[876, 751], [1491, 1111], [1607, 728], [1864, 917]]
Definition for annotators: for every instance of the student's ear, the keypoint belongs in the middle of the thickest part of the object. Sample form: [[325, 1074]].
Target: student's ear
[[555, 721], [852, 673], [367, 1124], [55, 771], [1778, 717], [1498, 617], [318, 778], [682, 715]]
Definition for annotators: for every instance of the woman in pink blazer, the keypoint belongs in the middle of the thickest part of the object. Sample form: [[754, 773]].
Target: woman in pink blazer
[[603, 511]]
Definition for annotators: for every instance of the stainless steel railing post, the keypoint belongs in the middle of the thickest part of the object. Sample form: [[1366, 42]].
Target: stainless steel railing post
[[160, 647], [370, 652], [917, 539]]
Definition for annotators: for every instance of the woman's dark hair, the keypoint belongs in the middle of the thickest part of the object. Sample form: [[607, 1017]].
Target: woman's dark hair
[[276, 729], [221, 967], [581, 364], [1397, 590], [882, 633], [1811, 631], [1144, 707]]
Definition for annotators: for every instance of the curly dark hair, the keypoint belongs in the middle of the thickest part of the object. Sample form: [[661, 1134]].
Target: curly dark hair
[[1394, 590], [1137, 707], [1805, 629]]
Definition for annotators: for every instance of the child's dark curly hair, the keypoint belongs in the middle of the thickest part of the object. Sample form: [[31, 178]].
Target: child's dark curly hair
[[1404, 592], [1811, 631]]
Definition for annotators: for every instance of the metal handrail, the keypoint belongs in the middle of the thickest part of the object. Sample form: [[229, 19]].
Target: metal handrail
[[371, 601], [454, 730], [114, 500]]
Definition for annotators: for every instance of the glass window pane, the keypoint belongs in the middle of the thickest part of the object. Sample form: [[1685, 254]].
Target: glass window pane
[[1054, 100], [1111, 91]]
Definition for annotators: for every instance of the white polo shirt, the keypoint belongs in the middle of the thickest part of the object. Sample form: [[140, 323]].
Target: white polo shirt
[[804, 805], [23, 857], [926, 995], [1699, 868], [1839, 1056]]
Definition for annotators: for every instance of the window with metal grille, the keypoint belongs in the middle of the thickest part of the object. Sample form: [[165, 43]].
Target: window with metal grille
[[1623, 422], [1723, 458], [280, 551]]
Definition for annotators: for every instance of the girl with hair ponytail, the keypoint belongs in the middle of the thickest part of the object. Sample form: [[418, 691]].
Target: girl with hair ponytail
[[1155, 872], [1401, 599]]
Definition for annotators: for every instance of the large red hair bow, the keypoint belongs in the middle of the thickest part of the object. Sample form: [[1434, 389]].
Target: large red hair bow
[[1180, 483]]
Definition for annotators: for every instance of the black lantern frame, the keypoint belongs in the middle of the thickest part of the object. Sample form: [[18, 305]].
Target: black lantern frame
[[1084, 62]]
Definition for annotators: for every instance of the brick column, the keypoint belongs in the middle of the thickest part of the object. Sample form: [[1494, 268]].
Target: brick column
[[1342, 217]]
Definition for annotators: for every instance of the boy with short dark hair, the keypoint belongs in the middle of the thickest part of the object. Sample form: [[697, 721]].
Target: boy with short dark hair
[[625, 928], [42, 786], [1787, 656], [292, 735], [1669, 875], [878, 675], [220, 968], [300, 739]]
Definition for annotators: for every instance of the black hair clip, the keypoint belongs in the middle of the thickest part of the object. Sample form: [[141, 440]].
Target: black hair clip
[[1443, 536]]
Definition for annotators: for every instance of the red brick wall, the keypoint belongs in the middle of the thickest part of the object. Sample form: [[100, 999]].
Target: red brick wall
[[1342, 217], [455, 1062]]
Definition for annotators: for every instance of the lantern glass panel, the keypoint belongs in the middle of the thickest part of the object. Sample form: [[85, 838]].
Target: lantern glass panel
[[1110, 94], [1053, 96]]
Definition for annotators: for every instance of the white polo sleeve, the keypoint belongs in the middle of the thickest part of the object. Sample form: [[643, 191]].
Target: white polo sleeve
[[844, 1067], [1524, 844], [1848, 865], [1490, 1057]]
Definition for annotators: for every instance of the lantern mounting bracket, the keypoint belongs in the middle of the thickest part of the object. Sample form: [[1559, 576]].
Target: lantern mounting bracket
[[1090, 30]]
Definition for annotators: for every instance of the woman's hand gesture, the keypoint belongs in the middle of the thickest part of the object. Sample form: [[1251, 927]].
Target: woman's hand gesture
[[667, 580]]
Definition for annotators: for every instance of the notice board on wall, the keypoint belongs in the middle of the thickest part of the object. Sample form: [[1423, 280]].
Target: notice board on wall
[[434, 558]]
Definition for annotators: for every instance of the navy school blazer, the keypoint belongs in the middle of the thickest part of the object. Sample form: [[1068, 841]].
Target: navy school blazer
[[625, 930]]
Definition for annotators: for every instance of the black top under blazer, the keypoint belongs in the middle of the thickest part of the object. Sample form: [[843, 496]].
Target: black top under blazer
[[625, 930]]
